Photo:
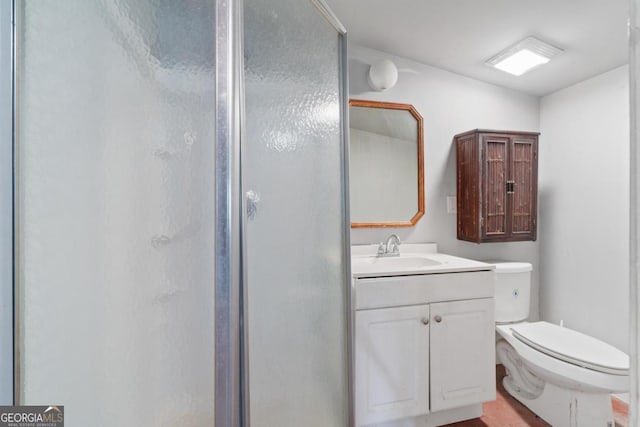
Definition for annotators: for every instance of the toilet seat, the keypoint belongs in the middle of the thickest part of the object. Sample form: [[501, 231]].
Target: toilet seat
[[572, 347], [560, 372]]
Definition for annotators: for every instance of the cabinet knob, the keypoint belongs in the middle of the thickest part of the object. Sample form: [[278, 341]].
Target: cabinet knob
[[438, 318], [425, 320]]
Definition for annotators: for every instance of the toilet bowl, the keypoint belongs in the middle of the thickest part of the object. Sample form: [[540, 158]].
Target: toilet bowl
[[562, 375]]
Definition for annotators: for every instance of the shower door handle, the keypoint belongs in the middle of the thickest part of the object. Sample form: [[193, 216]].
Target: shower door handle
[[252, 203]]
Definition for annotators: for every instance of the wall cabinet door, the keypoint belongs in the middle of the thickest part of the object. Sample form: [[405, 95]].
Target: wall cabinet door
[[391, 363], [462, 360], [524, 186], [497, 175]]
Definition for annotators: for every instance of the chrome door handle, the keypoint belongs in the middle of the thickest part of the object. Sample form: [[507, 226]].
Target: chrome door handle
[[438, 318], [425, 320], [253, 200]]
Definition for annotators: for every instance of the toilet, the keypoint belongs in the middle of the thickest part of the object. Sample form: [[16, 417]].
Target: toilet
[[565, 377]]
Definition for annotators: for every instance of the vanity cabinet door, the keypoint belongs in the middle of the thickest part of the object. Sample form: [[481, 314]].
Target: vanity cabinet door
[[462, 353], [392, 362]]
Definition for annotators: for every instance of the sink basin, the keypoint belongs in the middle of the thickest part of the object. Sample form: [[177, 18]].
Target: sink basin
[[415, 258], [401, 262]]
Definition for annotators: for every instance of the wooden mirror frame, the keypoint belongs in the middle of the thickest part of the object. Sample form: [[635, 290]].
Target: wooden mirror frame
[[407, 107]]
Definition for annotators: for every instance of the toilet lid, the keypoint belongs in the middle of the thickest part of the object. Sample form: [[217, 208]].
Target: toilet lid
[[572, 347]]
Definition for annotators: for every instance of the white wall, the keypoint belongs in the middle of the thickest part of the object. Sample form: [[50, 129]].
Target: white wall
[[450, 104], [583, 207]]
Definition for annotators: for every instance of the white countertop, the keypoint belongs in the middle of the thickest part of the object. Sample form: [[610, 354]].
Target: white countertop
[[420, 258]]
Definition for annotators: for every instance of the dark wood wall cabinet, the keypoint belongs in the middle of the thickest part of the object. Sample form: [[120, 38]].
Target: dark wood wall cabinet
[[497, 185]]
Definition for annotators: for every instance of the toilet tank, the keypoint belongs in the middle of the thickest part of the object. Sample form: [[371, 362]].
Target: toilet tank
[[512, 290]]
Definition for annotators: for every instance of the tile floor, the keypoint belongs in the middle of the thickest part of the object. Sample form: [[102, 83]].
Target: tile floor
[[505, 411]]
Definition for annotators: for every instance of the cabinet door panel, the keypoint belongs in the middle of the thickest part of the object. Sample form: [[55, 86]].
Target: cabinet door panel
[[495, 173], [462, 353], [468, 188], [524, 176], [391, 352]]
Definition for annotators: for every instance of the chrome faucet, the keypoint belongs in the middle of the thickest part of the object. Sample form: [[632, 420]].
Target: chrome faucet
[[391, 247]]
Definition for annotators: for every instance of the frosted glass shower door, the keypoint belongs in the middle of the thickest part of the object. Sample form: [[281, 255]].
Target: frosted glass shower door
[[297, 237], [115, 210]]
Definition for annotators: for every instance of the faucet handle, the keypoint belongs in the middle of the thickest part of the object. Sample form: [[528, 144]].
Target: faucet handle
[[382, 249], [394, 248], [393, 245]]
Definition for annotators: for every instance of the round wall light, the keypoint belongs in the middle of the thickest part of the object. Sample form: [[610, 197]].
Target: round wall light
[[383, 75]]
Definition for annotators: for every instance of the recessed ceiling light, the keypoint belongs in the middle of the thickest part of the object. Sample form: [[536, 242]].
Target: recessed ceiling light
[[524, 56]]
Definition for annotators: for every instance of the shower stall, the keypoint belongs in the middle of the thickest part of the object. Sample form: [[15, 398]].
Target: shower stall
[[178, 209]]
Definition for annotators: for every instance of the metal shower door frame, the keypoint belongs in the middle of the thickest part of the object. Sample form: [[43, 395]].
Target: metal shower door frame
[[228, 204]]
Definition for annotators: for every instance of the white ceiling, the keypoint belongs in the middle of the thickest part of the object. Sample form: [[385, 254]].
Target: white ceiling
[[460, 35]]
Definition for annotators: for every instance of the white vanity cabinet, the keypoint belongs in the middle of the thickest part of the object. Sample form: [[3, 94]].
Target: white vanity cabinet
[[424, 348]]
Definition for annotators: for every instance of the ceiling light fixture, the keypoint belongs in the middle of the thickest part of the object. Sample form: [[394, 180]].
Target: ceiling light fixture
[[524, 56]]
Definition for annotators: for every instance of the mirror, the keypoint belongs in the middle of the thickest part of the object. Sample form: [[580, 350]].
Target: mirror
[[386, 164]]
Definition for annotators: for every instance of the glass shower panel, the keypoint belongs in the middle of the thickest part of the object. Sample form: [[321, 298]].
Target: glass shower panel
[[115, 116], [295, 242], [6, 206]]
